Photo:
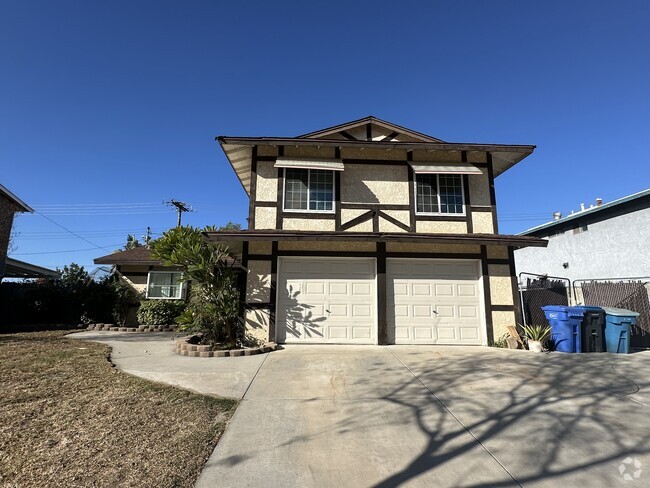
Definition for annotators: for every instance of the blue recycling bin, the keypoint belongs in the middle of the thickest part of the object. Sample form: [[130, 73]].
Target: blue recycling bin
[[617, 329], [566, 327]]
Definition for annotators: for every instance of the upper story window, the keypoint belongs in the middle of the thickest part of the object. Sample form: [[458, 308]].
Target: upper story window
[[439, 194], [309, 190], [165, 285]]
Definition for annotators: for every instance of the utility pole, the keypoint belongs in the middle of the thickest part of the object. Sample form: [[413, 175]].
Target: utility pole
[[147, 237], [180, 208]]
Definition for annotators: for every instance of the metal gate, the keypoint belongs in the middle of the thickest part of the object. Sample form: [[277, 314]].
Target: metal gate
[[630, 293], [537, 291]]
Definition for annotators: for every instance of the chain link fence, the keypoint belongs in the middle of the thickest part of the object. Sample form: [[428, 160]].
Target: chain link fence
[[537, 291]]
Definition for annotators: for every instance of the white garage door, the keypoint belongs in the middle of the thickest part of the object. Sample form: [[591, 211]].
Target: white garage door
[[434, 301], [327, 300]]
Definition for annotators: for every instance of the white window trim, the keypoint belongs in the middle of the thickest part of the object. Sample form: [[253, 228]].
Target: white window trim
[[307, 210], [182, 287], [446, 214]]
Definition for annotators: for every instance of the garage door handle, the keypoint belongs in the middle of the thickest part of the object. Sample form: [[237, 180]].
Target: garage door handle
[[435, 312]]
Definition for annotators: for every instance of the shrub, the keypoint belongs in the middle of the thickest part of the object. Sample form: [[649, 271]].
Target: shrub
[[160, 312]]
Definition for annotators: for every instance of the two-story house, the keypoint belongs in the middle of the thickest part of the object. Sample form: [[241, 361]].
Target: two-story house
[[371, 233]]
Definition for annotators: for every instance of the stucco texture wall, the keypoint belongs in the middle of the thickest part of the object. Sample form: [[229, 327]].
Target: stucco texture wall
[[308, 224], [501, 321], [265, 217], [257, 323], [361, 183], [267, 182], [258, 282], [500, 284], [441, 227], [613, 248], [482, 223]]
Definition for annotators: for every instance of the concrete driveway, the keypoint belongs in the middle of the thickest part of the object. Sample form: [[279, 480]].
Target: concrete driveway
[[432, 416]]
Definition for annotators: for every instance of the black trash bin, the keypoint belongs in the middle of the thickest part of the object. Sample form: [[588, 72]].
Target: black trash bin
[[593, 329]]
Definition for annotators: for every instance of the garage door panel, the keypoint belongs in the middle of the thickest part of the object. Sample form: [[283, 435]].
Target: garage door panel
[[327, 300], [434, 301]]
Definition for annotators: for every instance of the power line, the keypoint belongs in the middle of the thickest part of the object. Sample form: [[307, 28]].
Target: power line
[[71, 232], [61, 252], [181, 208]]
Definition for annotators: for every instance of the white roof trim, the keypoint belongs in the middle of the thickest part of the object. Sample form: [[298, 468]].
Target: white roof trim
[[325, 164], [423, 167]]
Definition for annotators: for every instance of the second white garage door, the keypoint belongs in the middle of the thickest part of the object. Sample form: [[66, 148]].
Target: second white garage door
[[327, 300], [433, 301]]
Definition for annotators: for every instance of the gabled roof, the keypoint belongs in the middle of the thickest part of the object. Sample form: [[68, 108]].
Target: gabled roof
[[22, 206], [137, 255], [369, 132], [623, 205], [372, 129]]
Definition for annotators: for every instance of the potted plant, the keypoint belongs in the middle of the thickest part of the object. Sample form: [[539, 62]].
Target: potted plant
[[536, 336]]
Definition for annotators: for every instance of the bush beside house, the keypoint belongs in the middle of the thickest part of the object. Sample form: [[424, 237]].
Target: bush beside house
[[160, 312]]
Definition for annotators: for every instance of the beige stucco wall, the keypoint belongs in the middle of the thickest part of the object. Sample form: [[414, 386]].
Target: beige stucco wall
[[500, 322], [497, 252], [307, 224], [362, 183], [442, 248], [267, 151], [437, 156], [376, 154], [476, 157], [308, 152], [479, 188], [441, 227], [482, 223], [267, 182], [258, 282], [350, 214], [500, 284], [401, 215], [260, 247], [326, 246], [257, 324], [265, 217]]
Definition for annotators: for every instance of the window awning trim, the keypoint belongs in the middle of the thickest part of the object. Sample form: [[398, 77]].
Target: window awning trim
[[445, 168], [324, 164]]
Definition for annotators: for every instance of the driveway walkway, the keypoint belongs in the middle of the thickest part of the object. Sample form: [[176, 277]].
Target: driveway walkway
[[433, 416]]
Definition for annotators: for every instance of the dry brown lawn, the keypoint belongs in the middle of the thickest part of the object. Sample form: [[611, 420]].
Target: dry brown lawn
[[68, 418]]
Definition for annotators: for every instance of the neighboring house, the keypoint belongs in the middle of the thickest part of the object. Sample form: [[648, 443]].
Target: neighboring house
[[608, 240], [371, 233], [146, 275], [10, 204]]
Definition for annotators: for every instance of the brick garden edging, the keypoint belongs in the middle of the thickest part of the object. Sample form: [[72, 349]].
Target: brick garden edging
[[183, 348], [140, 328]]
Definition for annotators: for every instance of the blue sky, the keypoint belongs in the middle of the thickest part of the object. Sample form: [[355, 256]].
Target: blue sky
[[110, 108]]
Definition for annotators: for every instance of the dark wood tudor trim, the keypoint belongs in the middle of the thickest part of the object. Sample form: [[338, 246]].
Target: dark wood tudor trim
[[337, 192], [467, 196], [348, 136], [382, 300], [503, 308], [487, 297], [368, 132], [481, 208], [493, 197], [253, 189], [375, 220], [441, 218], [258, 306], [498, 261], [259, 257], [327, 254], [393, 221], [274, 289], [266, 204], [411, 177], [357, 220], [516, 298], [374, 206], [390, 136], [432, 255]]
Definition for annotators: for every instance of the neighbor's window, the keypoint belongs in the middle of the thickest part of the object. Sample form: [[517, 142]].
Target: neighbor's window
[[309, 189], [164, 285], [439, 194]]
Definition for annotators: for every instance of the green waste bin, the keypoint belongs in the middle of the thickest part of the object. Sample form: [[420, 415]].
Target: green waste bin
[[617, 329]]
